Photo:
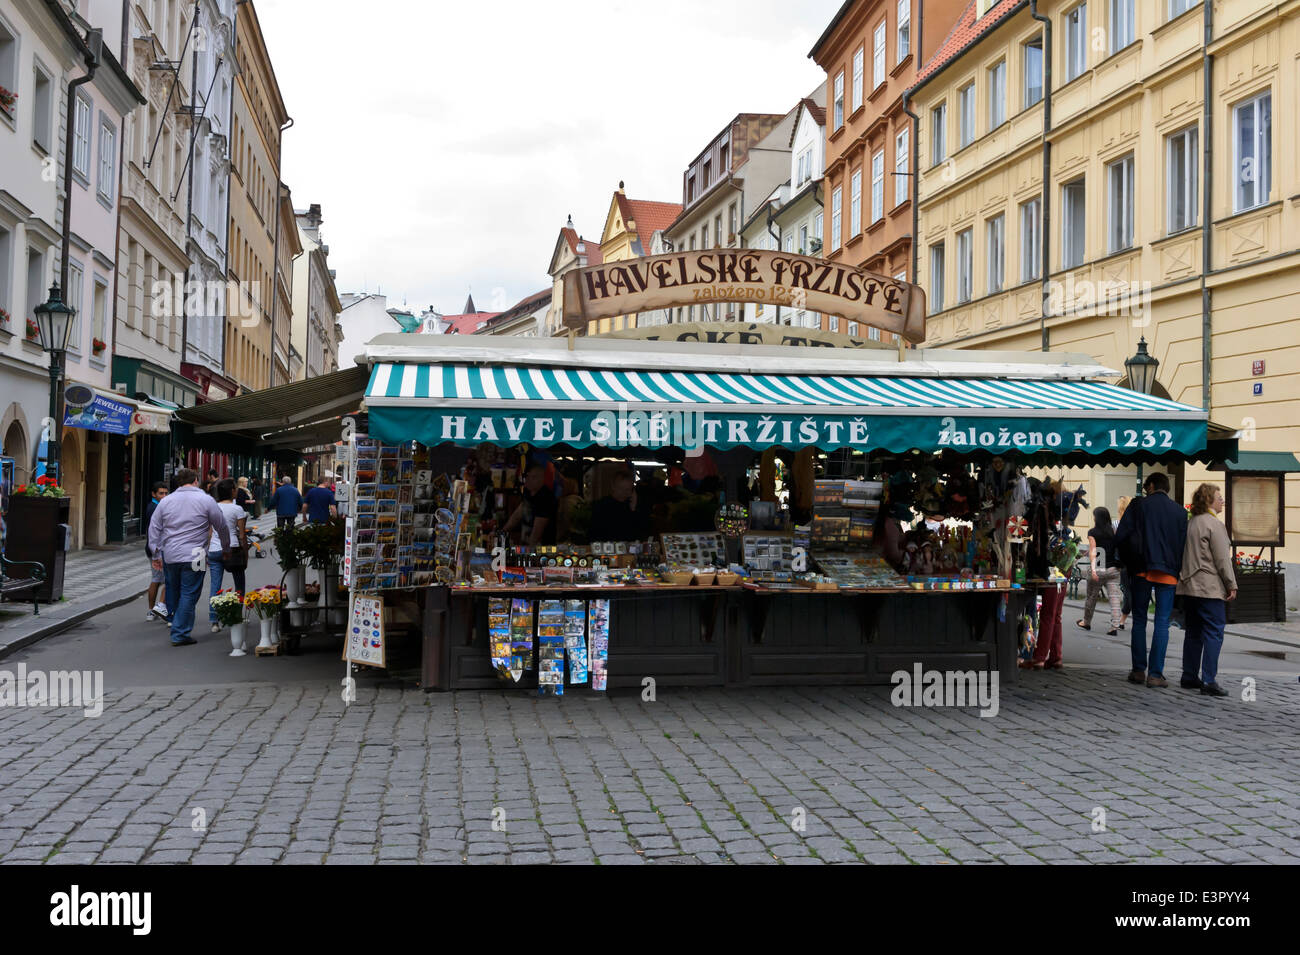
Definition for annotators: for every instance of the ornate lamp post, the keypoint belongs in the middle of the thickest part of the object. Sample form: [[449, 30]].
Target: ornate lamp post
[[54, 320], [1141, 370]]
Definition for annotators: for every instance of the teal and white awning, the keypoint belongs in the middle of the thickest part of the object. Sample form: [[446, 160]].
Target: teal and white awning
[[509, 404]]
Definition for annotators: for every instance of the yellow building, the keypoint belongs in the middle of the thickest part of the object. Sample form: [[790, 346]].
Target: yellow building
[[257, 119], [1148, 232], [630, 229]]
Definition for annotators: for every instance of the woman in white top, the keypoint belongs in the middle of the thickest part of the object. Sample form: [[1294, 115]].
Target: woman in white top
[[236, 517]]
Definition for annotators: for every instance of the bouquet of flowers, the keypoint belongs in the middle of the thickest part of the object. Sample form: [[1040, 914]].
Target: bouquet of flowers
[[43, 486], [266, 602], [228, 605], [312, 591]]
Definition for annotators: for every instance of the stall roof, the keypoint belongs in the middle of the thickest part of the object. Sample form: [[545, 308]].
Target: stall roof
[[301, 414], [1262, 462]]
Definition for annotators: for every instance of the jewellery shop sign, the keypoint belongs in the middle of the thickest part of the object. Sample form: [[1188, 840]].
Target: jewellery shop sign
[[745, 275], [692, 430]]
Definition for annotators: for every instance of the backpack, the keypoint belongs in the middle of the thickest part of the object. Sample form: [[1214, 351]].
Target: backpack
[[1132, 550]]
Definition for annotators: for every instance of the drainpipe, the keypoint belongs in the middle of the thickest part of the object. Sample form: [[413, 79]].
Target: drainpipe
[[916, 187], [90, 53], [275, 249], [1207, 207], [189, 194], [1046, 230], [777, 239], [230, 117]]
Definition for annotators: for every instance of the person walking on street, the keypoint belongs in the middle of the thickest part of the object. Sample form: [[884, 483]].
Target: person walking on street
[[1206, 583], [1125, 585], [319, 505], [287, 503], [1150, 540], [154, 599], [179, 534], [237, 563], [1105, 566], [244, 497]]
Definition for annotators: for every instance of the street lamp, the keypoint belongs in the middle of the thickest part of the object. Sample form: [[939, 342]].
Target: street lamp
[[1141, 370], [54, 322]]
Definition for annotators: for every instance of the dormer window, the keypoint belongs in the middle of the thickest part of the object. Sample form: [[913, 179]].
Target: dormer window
[[690, 189], [708, 172]]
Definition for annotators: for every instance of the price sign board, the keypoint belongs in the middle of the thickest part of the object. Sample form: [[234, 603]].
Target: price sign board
[[364, 643]]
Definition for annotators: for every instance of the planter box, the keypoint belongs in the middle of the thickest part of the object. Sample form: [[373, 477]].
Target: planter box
[[34, 531], [1261, 598]]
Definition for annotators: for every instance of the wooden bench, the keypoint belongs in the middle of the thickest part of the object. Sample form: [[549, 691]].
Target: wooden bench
[[17, 585]]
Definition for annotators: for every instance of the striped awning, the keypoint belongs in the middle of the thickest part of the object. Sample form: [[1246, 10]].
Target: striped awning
[[509, 404]]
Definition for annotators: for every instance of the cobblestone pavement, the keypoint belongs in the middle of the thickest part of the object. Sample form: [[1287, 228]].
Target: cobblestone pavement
[[288, 774]]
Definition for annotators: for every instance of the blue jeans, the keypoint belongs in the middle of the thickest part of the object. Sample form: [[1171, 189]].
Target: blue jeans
[[1205, 619], [217, 567], [184, 585], [1164, 594]]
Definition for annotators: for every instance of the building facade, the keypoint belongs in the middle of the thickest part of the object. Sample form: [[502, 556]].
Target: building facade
[[316, 306], [286, 246], [1171, 214], [571, 251], [630, 227], [870, 52], [258, 118]]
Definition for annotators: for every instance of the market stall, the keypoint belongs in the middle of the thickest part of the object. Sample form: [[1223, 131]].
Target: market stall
[[776, 475]]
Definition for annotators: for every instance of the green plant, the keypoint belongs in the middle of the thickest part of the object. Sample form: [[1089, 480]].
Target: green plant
[[321, 545], [288, 549]]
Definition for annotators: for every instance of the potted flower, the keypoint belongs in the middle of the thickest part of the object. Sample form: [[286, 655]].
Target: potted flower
[[36, 510], [98, 346], [42, 487], [33, 331], [228, 605], [4, 319], [265, 602], [7, 98]]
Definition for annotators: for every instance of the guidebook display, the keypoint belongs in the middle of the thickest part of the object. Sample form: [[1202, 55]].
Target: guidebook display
[[383, 515]]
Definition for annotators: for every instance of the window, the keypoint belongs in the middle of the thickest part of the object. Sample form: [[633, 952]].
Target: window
[[1253, 143], [855, 203], [965, 265], [803, 239], [858, 98], [904, 29], [852, 328], [81, 143], [73, 297], [1178, 7], [817, 235], [839, 99], [1119, 183], [707, 179], [902, 159], [995, 239], [878, 56], [873, 333], [1073, 220], [42, 109], [8, 64], [107, 185], [1031, 240], [723, 167], [966, 115], [1076, 42], [1180, 179], [1122, 24], [835, 323], [717, 230], [692, 242], [835, 219], [1033, 71], [99, 313], [731, 219], [690, 189], [704, 235], [997, 94], [805, 167], [939, 133], [936, 277], [878, 186], [6, 285]]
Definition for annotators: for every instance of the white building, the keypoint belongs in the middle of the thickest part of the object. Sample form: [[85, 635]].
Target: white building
[[315, 331], [363, 316]]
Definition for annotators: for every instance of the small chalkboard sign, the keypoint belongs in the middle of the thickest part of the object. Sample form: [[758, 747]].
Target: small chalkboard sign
[[365, 636]]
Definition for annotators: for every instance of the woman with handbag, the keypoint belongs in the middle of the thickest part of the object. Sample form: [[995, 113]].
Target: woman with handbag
[[236, 520], [1206, 583]]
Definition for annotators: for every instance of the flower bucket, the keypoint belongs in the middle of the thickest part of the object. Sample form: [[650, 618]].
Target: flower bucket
[[268, 631], [297, 618], [338, 616], [295, 583], [237, 640]]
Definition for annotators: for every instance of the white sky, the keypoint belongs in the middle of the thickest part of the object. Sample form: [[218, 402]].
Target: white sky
[[448, 141]]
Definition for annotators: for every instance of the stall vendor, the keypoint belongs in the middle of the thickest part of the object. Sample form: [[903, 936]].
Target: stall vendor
[[889, 536], [614, 517], [535, 515]]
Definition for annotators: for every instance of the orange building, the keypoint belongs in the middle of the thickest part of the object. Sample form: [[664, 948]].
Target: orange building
[[870, 52]]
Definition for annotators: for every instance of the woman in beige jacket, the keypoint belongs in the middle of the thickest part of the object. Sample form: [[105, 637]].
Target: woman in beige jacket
[[1206, 583]]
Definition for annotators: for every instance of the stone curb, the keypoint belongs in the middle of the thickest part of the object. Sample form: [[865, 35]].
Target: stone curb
[[66, 623]]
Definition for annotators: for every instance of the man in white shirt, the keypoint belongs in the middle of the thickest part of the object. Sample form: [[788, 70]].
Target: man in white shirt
[[178, 539]]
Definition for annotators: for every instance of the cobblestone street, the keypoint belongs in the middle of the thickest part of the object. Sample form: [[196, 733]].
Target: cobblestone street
[[288, 774]]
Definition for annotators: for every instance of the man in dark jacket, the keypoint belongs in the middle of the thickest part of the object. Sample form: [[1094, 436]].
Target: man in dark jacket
[[1161, 525], [287, 503]]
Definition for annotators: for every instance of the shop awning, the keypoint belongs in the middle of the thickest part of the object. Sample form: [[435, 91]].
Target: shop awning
[[1261, 462], [468, 404]]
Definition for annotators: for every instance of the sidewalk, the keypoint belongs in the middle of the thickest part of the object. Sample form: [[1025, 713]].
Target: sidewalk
[[1271, 637], [94, 580]]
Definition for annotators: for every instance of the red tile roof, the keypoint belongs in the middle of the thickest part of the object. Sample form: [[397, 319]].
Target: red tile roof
[[649, 217], [467, 324], [592, 249], [966, 32]]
